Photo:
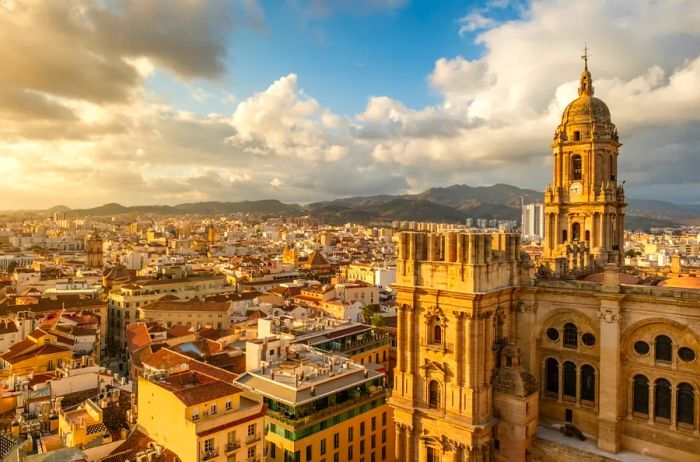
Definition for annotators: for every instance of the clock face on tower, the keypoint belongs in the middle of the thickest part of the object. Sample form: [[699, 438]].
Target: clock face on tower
[[575, 189]]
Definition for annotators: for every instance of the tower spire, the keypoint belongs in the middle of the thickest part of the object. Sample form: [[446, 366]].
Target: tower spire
[[586, 82]]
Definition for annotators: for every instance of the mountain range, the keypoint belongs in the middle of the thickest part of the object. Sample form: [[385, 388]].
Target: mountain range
[[451, 204]]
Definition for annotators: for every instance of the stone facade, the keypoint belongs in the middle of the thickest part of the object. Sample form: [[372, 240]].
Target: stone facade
[[477, 330]]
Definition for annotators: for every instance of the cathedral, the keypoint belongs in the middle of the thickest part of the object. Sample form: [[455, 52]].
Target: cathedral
[[494, 348]]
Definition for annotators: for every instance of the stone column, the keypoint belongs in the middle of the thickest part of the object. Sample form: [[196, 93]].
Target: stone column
[[609, 433], [400, 448], [560, 382], [578, 385], [652, 401], [412, 334], [411, 443], [674, 399]]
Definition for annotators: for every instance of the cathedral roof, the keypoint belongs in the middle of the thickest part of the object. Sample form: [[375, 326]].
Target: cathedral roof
[[515, 382], [586, 109], [688, 282]]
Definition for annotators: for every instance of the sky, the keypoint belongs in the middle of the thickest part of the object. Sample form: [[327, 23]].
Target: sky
[[173, 101]]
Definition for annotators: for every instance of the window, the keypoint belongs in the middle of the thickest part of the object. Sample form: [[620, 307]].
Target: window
[[374, 423], [323, 446], [437, 334], [641, 394], [231, 437], [663, 349], [336, 457], [384, 453], [362, 446], [577, 135], [336, 441], [552, 334], [564, 235], [251, 453], [588, 339], [570, 335], [209, 445], [350, 434], [433, 455], [686, 354], [685, 404], [195, 413], [433, 395], [384, 436], [251, 429], [384, 418], [273, 451], [373, 442], [587, 383], [551, 369], [576, 232], [349, 452], [576, 167], [228, 405], [570, 379], [213, 408], [641, 348], [308, 452], [362, 429], [662, 399]]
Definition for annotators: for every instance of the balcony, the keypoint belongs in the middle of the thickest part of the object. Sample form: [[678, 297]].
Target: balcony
[[322, 414], [251, 439], [358, 346], [212, 454], [232, 446], [437, 346]]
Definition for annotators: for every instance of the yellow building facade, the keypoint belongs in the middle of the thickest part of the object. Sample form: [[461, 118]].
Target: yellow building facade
[[201, 418], [323, 407]]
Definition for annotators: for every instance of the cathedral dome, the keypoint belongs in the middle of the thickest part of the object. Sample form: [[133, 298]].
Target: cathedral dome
[[586, 108]]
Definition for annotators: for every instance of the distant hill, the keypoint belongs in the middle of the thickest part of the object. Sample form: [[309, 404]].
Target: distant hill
[[271, 206], [501, 201], [451, 204]]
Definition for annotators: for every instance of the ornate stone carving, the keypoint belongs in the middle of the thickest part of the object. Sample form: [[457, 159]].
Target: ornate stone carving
[[610, 316]]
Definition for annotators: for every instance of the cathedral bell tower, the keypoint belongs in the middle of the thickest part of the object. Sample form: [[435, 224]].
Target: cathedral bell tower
[[584, 206]]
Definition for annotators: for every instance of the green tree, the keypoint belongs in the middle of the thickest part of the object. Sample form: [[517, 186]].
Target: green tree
[[377, 320], [368, 312]]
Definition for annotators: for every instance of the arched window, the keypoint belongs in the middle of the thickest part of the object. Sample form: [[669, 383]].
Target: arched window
[[587, 383], [663, 349], [576, 232], [612, 168], [433, 395], [564, 235], [576, 167], [437, 333], [685, 404], [662, 399], [641, 394], [588, 235], [570, 379], [570, 335], [551, 372]]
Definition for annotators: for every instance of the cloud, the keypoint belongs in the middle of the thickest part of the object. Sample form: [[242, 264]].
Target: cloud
[[78, 125], [474, 21]]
